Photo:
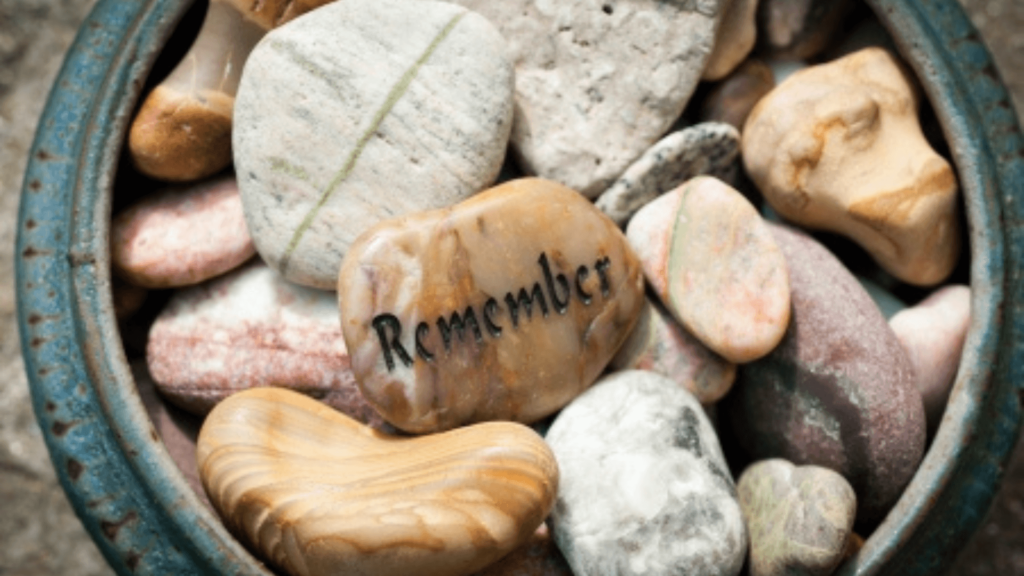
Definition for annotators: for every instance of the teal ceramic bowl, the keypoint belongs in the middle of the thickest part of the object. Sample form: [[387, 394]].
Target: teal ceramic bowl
[[136, 504]]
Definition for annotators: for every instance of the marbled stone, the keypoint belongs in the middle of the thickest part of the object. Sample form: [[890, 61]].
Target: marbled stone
[[731, 101], [181, 236], [503, 307], [933, 334], [799, 519], [250, 329], [710, 148], [736, 38], [800, 29], [317, 493], [362, 111], [597, 83], [839, 147], [709, 256], [644, 487], [838, 392], [659, 344]]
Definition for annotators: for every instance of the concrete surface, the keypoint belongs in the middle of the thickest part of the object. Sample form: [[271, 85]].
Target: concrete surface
[[39, 534]]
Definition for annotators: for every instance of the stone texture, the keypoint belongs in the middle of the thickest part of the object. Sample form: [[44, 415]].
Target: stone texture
[[505, 306], [538, 557], [316, 493], [800, 29], [709, 148], [644, 487], [597, 83], [248, 329], [932, 334], [362, 111], [732, 100], [839, 147], [839, 391], [799, 519], [736, 38], [710, 258], [181, 236], [659, 344]]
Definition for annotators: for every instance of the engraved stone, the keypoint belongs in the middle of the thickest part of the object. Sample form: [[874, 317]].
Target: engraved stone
[[317, 494], [711, 259], [505, 306], [597, 83], [710, 148], [644, 487], [361, 111]]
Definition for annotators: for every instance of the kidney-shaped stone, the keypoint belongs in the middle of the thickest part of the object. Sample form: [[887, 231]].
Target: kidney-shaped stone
[[503, 307]]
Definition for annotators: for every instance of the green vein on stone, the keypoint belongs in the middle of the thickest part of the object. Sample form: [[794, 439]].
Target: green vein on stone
[[394, 96]]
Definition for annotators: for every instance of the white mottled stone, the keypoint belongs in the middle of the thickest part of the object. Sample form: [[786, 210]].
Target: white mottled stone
[[597, 83], [644, 488], [365, 110], [709, 149]]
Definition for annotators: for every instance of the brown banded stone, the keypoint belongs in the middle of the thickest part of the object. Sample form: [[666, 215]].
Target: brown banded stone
[[505, 306]]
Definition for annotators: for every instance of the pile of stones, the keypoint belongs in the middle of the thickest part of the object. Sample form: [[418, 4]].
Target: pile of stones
[[482, 287]]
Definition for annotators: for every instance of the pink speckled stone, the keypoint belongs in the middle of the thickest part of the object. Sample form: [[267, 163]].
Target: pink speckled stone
[[181, 236]]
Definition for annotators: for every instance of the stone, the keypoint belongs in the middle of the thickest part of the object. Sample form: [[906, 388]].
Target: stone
[[644, 487], [363, 111], [659, 344], [316, 493], [598, 83], [799, 518], [503, 307], [251, 329], [800, 29], [538, 557], [888, 304], [838, 392], [932, 334], [181, 236], [839, 147], [736, 38], [731, 101], [710, 258], [127, 298], [709, 148]]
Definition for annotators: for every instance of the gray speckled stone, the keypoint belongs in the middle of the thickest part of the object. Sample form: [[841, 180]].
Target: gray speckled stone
[[597, 83], [799, 518], [365, 110], [643, 488], [705, 149]]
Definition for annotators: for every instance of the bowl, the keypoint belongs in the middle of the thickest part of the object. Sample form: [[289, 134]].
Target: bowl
[[135, 503]]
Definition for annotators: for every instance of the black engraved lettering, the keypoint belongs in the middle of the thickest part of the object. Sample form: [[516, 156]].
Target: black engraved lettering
[[602, 267], [458, 324], [381, 323], [560, 304], [490, 309], [581, 276], [421, 332], [526, 301]]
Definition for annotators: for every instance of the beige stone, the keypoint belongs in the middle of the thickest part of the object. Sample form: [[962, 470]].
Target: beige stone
[[316, 493], [736, 38], [505, 306], [839, 147]]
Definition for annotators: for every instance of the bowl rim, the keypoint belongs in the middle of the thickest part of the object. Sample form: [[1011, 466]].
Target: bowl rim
[[135, 503]]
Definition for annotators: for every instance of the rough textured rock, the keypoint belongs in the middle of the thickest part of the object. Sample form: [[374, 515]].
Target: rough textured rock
[[709, 148], [659, 344], [736, 38], [709, 256], [933, 334], [248, 329], [839, 391], [597, 83], [800, 29], [799, 519], [839, 147], [505, 306], [317, 493], [362, 111], [644, 488], [181, 236], [736, 95]]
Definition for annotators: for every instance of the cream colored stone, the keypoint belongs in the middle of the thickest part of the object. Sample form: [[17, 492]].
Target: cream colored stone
[[505, 306], [839, 147], [736, 38]]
